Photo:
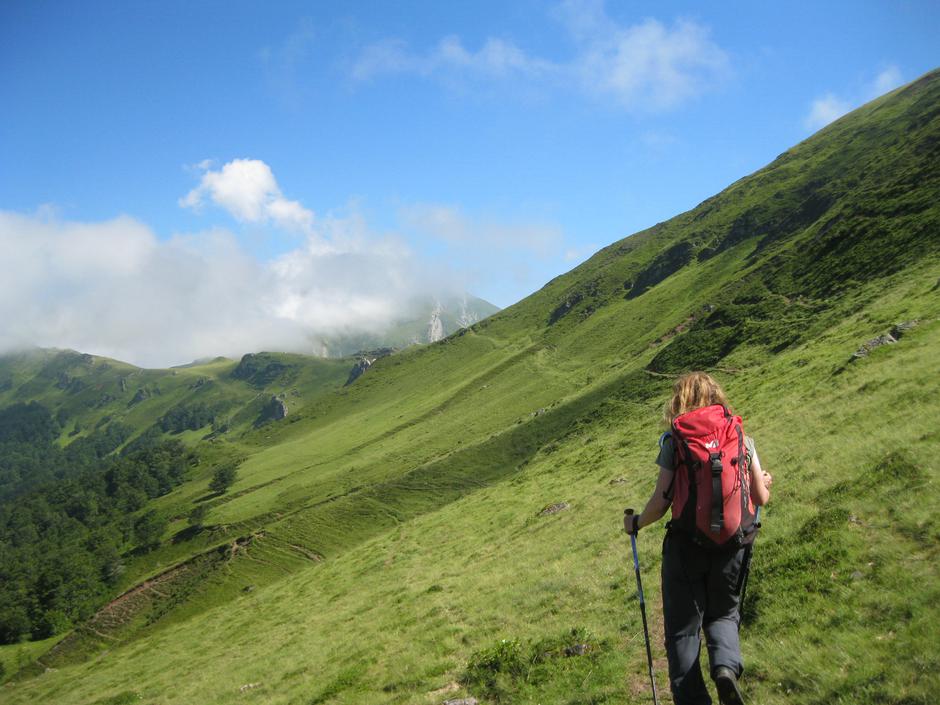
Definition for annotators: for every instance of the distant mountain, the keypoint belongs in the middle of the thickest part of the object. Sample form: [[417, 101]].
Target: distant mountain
[[432, 320]]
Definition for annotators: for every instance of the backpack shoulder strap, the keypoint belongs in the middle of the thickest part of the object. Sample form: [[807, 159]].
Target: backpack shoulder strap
[[667, 494]]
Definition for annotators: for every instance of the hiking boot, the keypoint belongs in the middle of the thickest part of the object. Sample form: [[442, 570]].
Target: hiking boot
[[727, 685]]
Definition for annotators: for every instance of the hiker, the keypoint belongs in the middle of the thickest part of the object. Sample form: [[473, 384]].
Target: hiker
[[701, 566]]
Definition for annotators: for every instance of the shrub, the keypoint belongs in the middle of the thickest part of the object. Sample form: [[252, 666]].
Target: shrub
[[148, 529], [223, 478], [501, 671], [197, 516]]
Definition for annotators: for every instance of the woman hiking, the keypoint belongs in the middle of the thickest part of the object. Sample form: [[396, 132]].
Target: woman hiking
[[710, 474]]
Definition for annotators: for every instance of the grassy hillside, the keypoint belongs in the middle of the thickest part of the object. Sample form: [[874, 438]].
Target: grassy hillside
[[387, 543]]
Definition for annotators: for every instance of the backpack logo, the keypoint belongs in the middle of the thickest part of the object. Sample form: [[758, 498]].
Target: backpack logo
[[713, 444]]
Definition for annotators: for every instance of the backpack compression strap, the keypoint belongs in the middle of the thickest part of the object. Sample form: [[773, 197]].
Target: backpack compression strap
[[718, 508]]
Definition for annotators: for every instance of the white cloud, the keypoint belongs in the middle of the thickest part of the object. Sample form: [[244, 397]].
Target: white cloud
[[247, 189], [830, 107], [825, 110], [578, 254], [889, 79], [113, 288], [646, 66], [483, 237], [496, 58], [649, 66]]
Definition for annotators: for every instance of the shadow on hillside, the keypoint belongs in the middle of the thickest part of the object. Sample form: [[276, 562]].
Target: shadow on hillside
[[190, 532], [206, 497]]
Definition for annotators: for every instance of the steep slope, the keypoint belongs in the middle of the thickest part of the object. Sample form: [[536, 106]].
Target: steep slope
[[422, 483]]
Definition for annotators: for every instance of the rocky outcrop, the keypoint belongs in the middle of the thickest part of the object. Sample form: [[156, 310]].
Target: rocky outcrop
[[467, 317], [436, 325], [899, 329], [261, 369], [363, 364], [890, 338], [589, 294], [554, 509], [274, 410], [278, 408], [868, 346], [365, 361], [142, 394]]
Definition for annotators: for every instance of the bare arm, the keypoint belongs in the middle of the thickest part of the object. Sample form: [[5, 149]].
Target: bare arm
[[760, 483], [657, 504]]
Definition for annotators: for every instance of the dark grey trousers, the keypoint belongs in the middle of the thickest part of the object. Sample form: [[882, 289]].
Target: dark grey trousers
[[700, 592]]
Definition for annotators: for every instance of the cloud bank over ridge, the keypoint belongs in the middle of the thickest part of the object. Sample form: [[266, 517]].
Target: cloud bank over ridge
[[113, 288]]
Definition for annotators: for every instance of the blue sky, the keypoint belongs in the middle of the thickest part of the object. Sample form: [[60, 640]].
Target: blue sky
[[488, 146]]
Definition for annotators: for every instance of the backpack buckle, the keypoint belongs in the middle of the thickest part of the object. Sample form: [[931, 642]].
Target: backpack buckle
[[715, 459]]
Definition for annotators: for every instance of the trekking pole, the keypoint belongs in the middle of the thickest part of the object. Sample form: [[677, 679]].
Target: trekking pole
[[746, 569], [639, 588]]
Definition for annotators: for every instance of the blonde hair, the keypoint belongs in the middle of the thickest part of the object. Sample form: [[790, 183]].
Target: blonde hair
[[692, 391]]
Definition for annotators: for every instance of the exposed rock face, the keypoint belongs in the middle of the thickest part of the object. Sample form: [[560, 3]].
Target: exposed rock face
[[467, 317], [261, 369], [436, 325], [886, 339], [141, 395], [274, 410], [356, 372], [366, 360], [564, 307], [899, 329], [278, 408]]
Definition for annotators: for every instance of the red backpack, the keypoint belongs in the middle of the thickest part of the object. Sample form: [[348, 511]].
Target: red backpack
[[712, 492]]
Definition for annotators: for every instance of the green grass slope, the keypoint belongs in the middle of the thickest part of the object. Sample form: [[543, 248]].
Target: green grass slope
[[387, 543]]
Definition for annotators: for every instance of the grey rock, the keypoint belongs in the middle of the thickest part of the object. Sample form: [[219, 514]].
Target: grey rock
[[366, 360], [899, 329], [141, 395], [278, 408], [461, 701], [554, 508], [577, 650], [436, 325], [356, 372], [886, 339]]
